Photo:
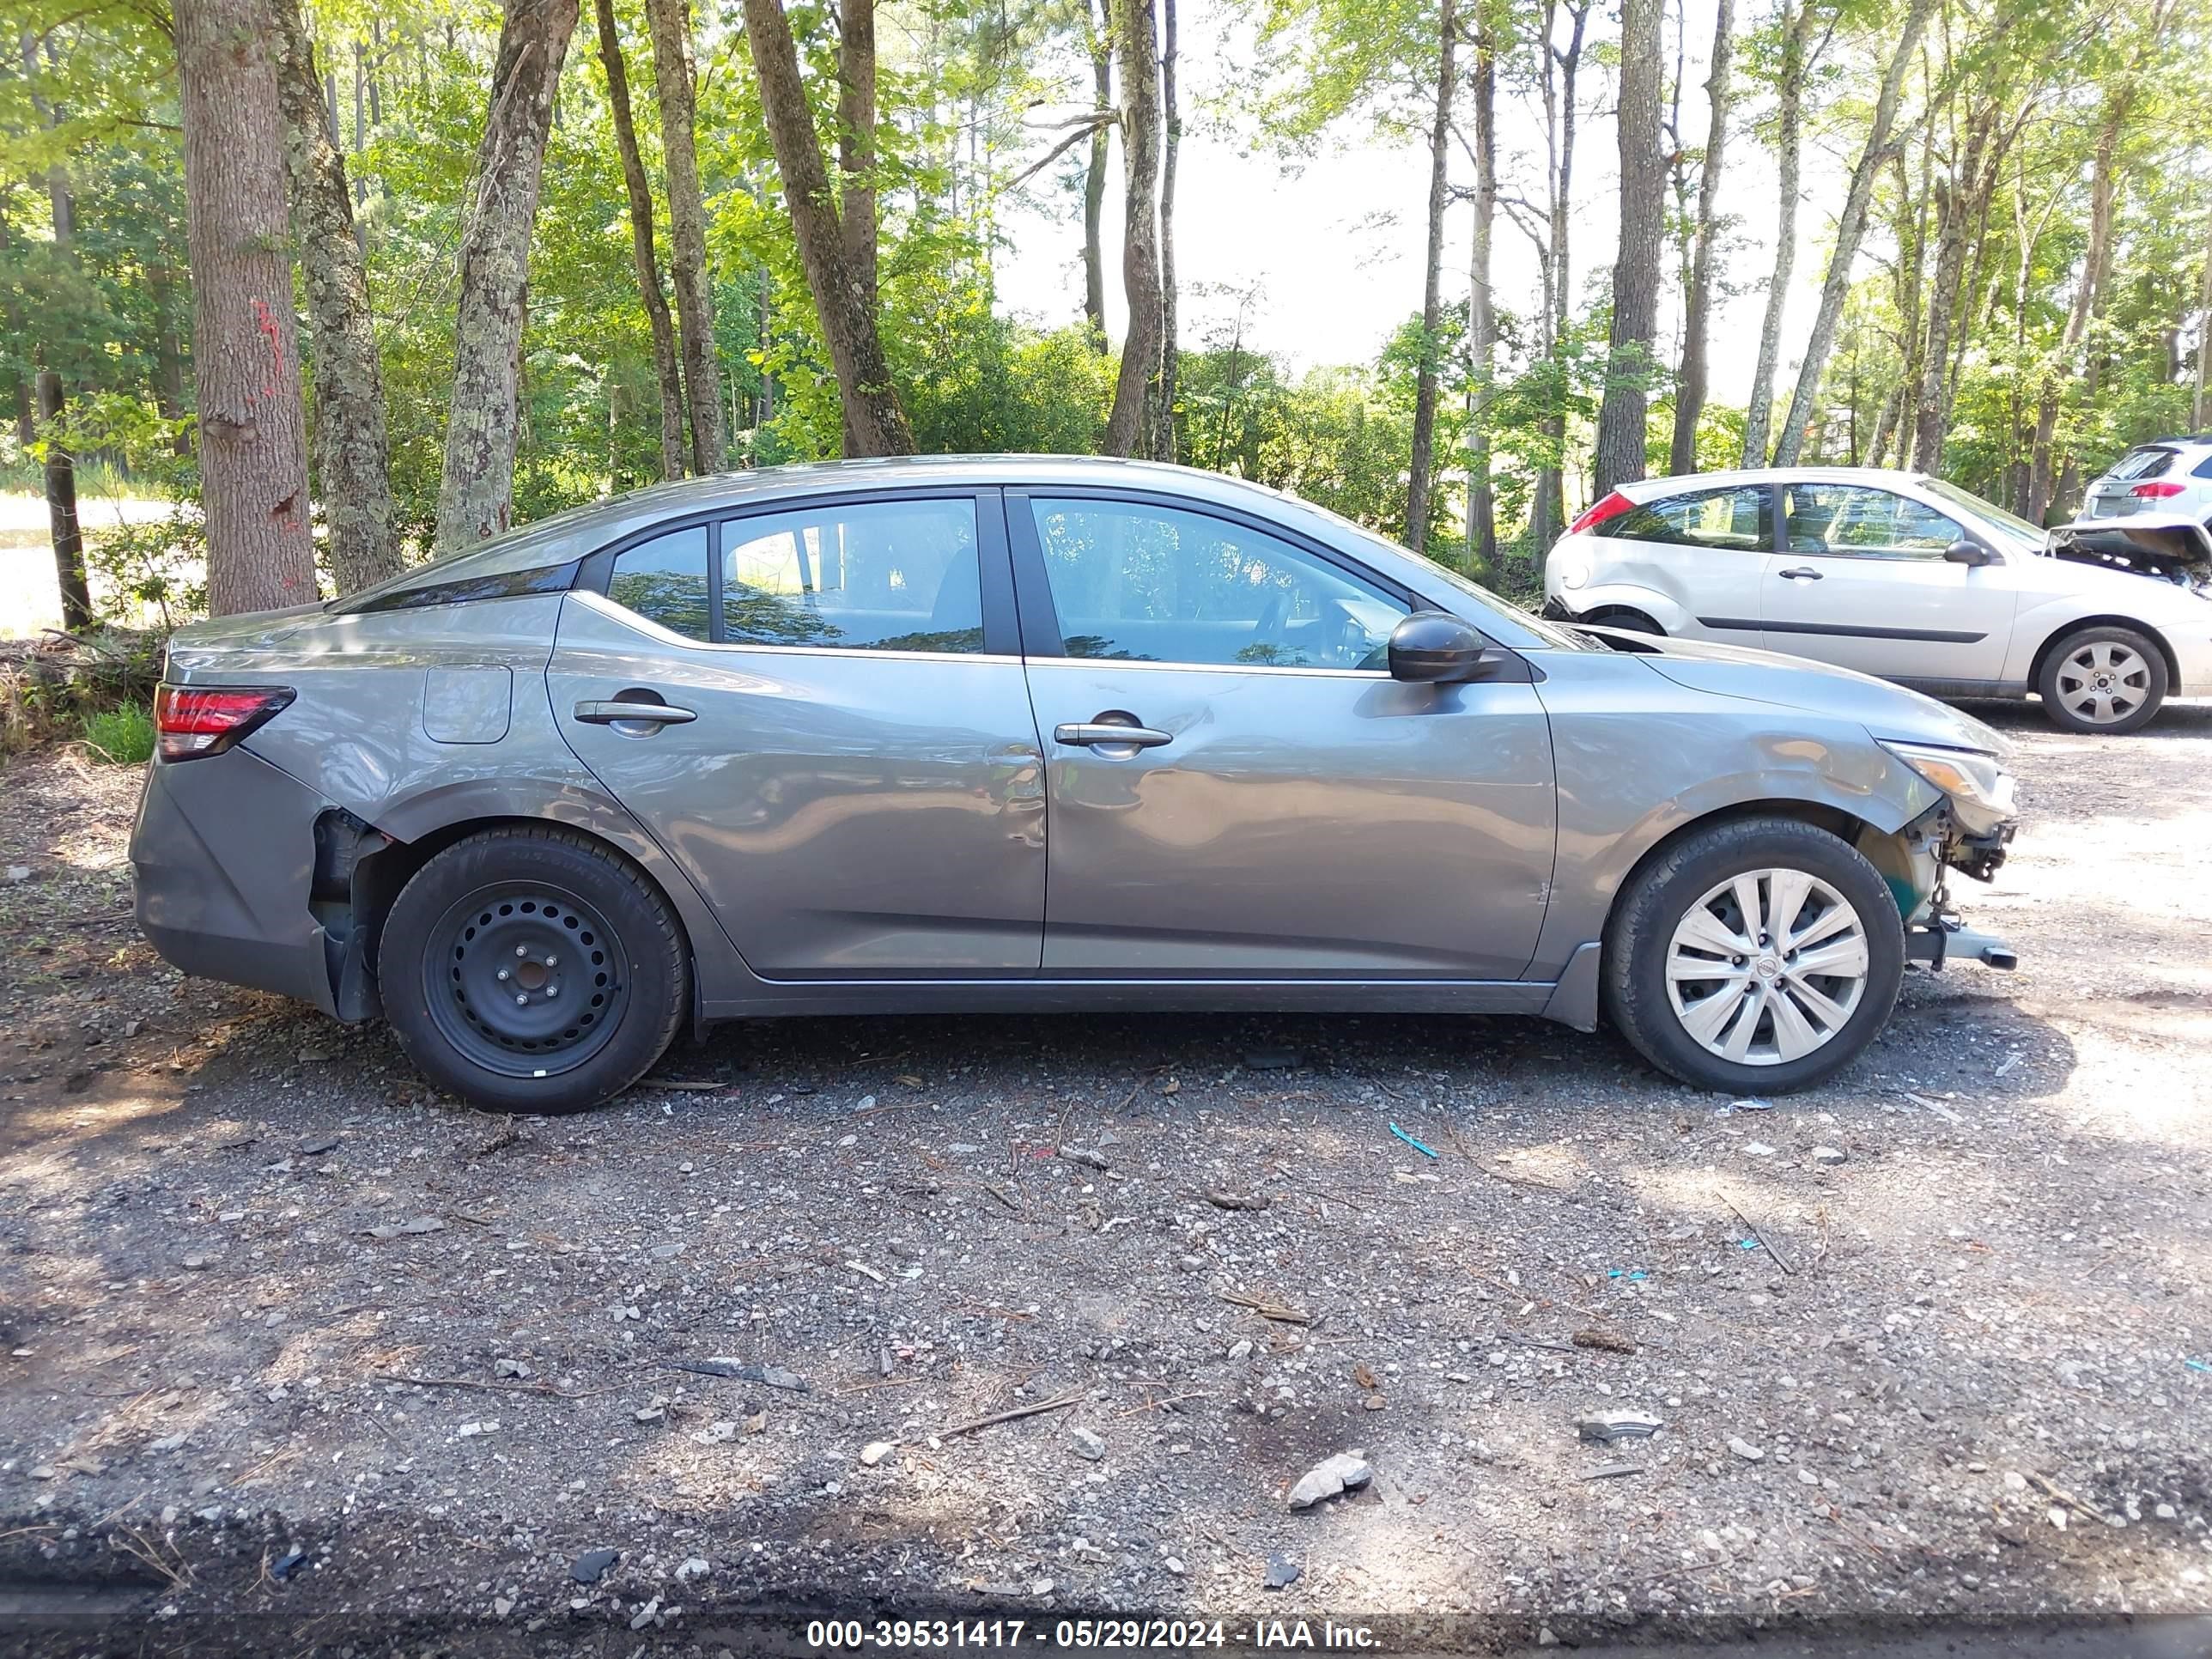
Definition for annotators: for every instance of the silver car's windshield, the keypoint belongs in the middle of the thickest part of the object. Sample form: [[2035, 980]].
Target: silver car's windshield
[[2015, 529]]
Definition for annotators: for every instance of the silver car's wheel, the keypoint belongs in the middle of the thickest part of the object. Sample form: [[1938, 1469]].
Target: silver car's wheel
[[2105, 678], [2103, 682], [1767, 967]]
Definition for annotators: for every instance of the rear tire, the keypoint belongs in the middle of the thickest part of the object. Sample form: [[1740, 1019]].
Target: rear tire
[[528, 969], [1779, 1003], [2104, 680]]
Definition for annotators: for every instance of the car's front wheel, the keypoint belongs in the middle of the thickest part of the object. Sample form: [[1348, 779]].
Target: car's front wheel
[[1757, 956], [530, 969], [2104, 678]]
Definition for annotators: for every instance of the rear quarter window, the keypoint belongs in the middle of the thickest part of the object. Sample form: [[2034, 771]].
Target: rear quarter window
[[1738, 520], [664, 580]]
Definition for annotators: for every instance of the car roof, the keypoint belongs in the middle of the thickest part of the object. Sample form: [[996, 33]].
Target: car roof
[[1646, 489], [564, 537]]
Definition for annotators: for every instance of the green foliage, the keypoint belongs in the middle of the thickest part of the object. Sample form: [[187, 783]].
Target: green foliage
[[123, 735], [109, 308]]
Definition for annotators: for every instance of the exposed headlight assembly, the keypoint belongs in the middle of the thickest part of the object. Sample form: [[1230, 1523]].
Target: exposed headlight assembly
[[1979, 788]]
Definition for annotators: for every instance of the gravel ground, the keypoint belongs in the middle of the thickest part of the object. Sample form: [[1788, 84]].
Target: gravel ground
[[300, 1355]]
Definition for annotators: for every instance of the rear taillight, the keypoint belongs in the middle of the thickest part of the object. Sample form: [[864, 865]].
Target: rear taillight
[[2157, 492], [1611, 508], [194, 720]]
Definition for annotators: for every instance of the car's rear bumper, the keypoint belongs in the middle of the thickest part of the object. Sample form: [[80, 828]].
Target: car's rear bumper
[[223, 853]]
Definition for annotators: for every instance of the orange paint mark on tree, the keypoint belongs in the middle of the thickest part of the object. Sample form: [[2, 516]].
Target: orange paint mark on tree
[[265, 320]]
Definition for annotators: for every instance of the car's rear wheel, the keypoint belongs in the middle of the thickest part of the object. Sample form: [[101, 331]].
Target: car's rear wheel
[[1757, 956], [2104, 678], [529, 968]]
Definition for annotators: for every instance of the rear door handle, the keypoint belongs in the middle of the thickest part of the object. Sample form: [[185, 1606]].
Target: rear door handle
[[1802, 572], [1091, 734], [618, 713]]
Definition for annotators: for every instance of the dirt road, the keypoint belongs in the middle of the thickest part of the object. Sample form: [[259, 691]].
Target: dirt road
[[299, 1354]]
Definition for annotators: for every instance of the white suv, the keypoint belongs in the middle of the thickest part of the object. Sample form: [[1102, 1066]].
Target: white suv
[[1907, 577], [2166, 475]]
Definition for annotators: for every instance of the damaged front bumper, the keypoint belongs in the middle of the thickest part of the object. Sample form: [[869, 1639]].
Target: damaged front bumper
[[1916, 862]]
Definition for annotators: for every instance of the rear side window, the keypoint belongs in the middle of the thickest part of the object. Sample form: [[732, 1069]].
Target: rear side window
[[2146, 461], [664, 580], [2203, 468], [871, 576], [1737, 520]]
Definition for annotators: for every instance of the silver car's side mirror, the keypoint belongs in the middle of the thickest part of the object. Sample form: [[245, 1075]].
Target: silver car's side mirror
[[1970, 554], [1437, 648]]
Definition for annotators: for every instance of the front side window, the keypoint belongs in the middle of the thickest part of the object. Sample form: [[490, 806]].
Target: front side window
[[1848, 521], [664, 580], [1735, 521], [871, 576], [1136, 583]]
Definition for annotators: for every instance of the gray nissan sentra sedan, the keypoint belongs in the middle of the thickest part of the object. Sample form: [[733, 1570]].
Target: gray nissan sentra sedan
[[1020, 733]]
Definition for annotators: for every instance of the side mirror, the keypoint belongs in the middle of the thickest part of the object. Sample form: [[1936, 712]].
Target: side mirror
[[1970, 554], [1434, 647]]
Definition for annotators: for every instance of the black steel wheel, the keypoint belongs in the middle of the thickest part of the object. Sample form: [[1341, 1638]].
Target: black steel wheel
[[526, 978], [533, 969]]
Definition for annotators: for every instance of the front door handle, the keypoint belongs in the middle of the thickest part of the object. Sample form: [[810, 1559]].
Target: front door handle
[[621, 713], [1102, 734], [1802, 572]]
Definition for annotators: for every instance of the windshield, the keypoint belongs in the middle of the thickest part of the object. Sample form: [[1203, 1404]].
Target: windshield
[[1566, 639], [2028, 537]]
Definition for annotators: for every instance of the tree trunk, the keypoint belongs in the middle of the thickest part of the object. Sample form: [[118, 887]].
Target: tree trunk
[[672, 80], [1164, 399], [1549, 514], [476, 495], [856, 155], [873, 413], [168, 386], [1420, 475], [246, 359], [1094, 176], [665, 370], [1621, 417], [1849, 229], [1788, 143], [1482, 312], [1140, 263], [2087, 293], [1912, 231], [1696, 318], [1958, 204], [61, 512], [856, 143], [2196, 403], [352, 454], [1886, 424]]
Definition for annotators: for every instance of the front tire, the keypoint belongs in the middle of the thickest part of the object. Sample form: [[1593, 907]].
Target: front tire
[[2106, 679], [528, 969], [1620, 616], [1760, 956]]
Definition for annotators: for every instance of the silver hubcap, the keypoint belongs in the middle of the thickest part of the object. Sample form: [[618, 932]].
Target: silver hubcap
[[1767, 967], [2102, 683]]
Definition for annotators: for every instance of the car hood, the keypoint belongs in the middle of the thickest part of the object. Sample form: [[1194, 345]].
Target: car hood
[[2168, 546], [1886, 710]]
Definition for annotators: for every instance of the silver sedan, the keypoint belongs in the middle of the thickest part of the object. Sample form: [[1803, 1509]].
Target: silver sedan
[[1030, 733]]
